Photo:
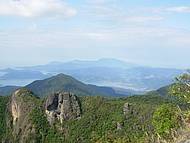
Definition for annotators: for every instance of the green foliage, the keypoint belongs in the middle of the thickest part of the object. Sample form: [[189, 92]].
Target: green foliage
[[184, 78], [40, 123], [101, 115], [147, 116], [98, 121], [181, 91], [54, 136], [3, 107], [181, 88], [44, 133], [165, 118]]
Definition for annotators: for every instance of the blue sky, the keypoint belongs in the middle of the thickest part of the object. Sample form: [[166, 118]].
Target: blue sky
[[147, 32]]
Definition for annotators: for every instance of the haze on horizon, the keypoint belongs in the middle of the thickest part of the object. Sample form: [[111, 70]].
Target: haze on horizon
[[145, 32]]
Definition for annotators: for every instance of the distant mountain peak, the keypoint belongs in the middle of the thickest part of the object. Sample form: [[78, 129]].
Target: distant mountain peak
[[62, 82], [61, 75]]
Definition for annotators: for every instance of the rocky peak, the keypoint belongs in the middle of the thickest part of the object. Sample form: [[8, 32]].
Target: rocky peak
[[62, 106]]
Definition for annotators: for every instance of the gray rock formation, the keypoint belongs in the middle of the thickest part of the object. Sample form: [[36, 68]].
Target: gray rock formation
[[126, 109], [62, 106]]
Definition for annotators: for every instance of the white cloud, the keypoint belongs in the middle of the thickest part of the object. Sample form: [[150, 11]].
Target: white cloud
[[35, 8], [179, 9]]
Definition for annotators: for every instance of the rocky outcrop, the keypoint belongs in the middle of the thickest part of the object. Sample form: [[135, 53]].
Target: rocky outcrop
[[127, 109], [62, 106], [21, 104], [119, 126], [15, 108]]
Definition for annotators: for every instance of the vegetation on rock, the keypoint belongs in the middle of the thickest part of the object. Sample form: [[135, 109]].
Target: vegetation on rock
[[139, 118], [181, 88], [3, 113]]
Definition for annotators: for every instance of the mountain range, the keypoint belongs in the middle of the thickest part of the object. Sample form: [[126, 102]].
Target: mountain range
[[104, 72]]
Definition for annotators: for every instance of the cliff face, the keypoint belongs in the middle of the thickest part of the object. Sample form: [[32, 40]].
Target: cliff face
[[62, 106], [15, 108], [21, 105]]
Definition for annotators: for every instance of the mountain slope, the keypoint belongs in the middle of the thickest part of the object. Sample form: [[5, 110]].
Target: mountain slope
[[62, 82], [8, 90], [163, 91]]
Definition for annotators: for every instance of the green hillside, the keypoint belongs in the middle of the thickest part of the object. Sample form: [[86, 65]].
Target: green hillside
[[67, 83], [161, 116], [8, 90], [102, 120], [3, 115]]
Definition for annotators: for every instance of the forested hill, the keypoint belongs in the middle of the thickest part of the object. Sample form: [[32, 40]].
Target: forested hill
[[87, 119], [64, 117], [62, 82]]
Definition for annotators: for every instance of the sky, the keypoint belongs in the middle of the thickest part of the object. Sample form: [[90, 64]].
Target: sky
[[147, 32]]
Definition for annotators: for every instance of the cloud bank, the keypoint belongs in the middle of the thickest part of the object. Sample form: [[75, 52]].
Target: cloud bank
[[35, 8]]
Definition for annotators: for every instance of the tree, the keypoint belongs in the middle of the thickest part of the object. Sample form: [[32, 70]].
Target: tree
[[181, 88], [165, 118], [184, 78]]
